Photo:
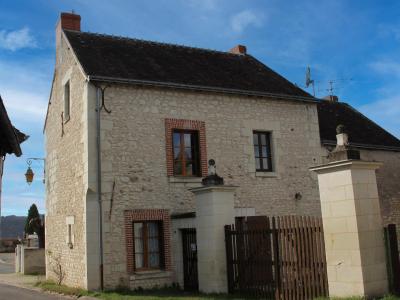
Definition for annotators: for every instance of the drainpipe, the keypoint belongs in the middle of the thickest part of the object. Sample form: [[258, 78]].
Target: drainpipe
[[99, 95]]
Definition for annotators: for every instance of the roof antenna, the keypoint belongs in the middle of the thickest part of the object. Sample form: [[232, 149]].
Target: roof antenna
[[309, 80], [72, 11], [336, 82]]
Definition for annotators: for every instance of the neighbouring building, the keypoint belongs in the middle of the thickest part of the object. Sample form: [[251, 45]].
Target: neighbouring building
[[10, 140], [374, 144], [130, 127]]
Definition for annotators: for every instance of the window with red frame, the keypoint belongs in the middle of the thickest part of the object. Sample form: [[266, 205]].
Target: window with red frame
[[186, 152], [148, 245]]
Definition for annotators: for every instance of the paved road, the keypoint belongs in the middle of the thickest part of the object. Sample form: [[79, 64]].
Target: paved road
[[8, 292], [7, 263]]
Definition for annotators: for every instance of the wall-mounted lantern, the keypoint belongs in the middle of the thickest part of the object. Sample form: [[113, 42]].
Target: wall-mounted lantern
[[29, 175]]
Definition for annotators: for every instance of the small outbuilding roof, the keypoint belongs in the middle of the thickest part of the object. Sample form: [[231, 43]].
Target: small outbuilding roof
[[363, 132], [10, 137]]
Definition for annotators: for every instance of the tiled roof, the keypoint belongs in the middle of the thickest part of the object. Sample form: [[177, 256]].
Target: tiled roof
[[363, 132], [117, 58]]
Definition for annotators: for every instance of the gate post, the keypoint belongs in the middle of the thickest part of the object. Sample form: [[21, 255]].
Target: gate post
[[353, 230], [214, 209]]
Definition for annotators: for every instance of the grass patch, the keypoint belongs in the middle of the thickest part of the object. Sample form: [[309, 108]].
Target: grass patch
[[62, 289], [167, 293]]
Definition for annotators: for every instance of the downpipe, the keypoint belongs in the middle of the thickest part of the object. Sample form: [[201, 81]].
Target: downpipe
[[99, 97]]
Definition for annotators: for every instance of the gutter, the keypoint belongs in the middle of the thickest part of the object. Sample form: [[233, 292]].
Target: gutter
[[363, 146], [200, 88]]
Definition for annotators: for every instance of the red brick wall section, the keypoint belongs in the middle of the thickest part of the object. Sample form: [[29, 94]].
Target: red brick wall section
[[170, 125], [138, 215]]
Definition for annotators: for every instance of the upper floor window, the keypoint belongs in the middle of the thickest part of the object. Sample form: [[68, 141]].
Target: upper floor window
[[262, 151], [186, 153], [148, 245], [67, 101]]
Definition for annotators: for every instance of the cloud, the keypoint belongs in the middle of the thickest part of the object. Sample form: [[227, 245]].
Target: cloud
[[386, 67], [18, 39], [25, 90], [386, 111], [244, 19]]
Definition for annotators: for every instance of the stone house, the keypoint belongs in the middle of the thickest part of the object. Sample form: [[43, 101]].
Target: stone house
[[130, 127]]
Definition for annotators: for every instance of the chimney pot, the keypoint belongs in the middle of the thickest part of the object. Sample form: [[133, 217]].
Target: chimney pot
[[239, 49]]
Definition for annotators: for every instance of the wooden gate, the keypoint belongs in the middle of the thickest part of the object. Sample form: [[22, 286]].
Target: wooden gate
[[189, 244], [279, 257], [392, 259]]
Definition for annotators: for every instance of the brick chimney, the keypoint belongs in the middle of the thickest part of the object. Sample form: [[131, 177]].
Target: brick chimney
[[69, 21], [331, 98], [239, 49]]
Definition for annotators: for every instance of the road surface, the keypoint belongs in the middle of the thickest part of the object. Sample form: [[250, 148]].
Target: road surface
[[11, 292], [7, 263]]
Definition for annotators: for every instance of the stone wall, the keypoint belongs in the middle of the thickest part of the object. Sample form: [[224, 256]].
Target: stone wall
[[388, 178], [134, 157], [33, 261], [64, 171]]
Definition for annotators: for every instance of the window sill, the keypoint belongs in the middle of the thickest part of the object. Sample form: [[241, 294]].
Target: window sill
[[177, 179], [267, 174], [150, 274]]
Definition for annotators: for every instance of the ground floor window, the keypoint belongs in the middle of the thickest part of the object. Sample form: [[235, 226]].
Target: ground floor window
[[148, 240], [148, 245]]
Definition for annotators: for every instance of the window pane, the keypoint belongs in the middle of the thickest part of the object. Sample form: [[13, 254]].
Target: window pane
[[263, 139], [265, 164], [153, 245], [139, 261], [138, 246], [188, 139], [256, 151], [188, 153], [152, 229], [177, 153], [189, 168], [138, 230], [255, 138], [264, 151], [257, 163], [178, 168], [154, 260], [176, 139]]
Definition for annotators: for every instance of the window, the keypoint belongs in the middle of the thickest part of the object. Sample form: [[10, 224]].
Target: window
[[186, 153], [148, 245], [262, 151], [67, 101]]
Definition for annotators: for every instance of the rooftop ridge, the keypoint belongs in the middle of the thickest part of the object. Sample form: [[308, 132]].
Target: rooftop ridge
[[151, 42]]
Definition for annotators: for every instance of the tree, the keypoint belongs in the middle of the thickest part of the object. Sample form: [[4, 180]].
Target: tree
[[33, 213]]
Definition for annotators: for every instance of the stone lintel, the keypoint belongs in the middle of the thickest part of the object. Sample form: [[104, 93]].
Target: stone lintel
[[346, 164]]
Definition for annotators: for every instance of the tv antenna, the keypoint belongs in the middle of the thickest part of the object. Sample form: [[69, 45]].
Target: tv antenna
[[331, 83], [309, 81]]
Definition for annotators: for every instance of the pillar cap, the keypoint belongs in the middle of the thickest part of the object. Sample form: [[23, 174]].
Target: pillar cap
[[346, 164], [211, 188]]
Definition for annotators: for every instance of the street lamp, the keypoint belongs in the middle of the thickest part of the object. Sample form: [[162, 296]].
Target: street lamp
[[29, 172]]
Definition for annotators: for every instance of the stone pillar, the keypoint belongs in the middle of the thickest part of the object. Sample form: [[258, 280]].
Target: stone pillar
[[353, 229], [214, 210]]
